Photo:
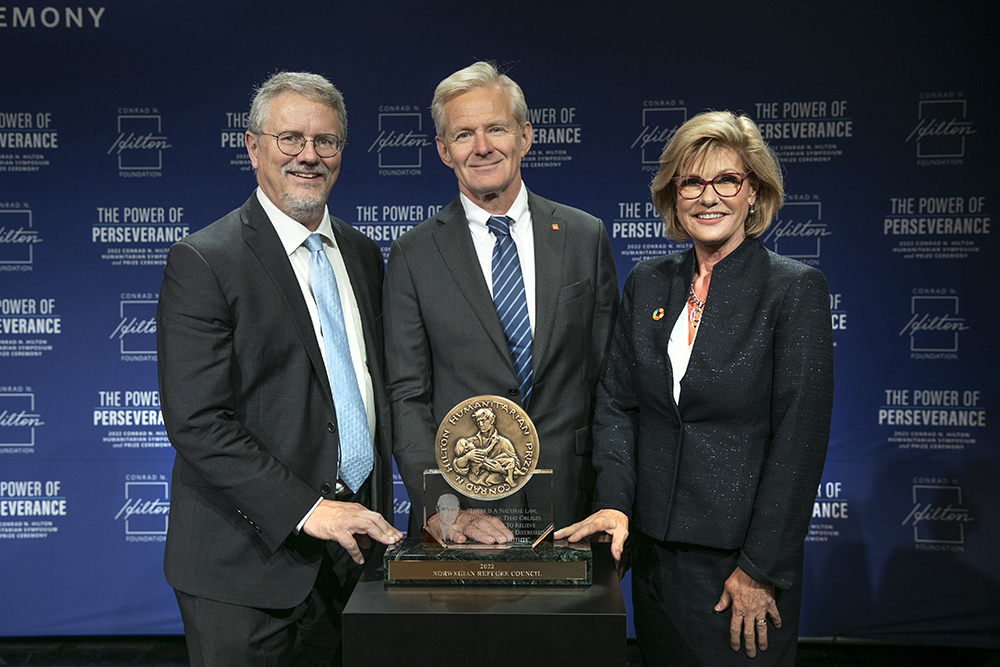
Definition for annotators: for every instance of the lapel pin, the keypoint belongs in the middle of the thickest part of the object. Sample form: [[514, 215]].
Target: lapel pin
[[555, 227], [658, 314]]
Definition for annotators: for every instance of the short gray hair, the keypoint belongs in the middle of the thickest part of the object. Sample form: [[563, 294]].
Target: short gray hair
[[481, 74], [313, 86]]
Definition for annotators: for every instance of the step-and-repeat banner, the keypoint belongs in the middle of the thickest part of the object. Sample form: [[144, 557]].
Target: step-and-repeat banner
[[121, 131]]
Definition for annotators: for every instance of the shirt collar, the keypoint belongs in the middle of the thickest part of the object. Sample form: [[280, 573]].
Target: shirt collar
[[291, 232], [477, 216]]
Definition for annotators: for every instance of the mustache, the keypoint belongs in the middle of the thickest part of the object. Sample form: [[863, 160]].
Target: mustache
[[304, 169]]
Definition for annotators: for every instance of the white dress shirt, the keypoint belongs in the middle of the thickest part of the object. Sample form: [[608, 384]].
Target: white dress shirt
[[293, 235], [520, 231]]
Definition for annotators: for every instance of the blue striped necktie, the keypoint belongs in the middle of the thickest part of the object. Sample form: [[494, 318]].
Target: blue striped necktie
[[511, 303], [352, 423]]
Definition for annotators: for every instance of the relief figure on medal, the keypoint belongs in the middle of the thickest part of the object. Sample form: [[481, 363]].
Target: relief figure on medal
[[486, 451], [487, 458]]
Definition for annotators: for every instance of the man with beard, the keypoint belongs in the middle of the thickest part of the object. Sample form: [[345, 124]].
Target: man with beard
[[270, 366]]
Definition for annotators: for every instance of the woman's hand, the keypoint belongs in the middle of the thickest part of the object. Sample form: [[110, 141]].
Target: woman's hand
[[605, 522], [752, 603]]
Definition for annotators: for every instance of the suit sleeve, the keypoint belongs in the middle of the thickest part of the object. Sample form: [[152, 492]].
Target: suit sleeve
[[801, 403], [408, 375], [606, 302], [616, 419], [198, 371]]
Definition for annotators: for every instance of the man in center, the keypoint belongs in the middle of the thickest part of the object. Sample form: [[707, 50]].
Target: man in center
[[502, 293]]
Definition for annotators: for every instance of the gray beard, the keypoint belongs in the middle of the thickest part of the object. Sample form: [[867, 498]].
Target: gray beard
[[307, 209]]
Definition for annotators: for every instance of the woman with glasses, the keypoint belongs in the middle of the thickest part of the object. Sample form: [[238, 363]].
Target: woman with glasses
[[713, 416]]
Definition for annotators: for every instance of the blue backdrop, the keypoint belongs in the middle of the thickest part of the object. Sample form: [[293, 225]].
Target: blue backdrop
[[121, 130]]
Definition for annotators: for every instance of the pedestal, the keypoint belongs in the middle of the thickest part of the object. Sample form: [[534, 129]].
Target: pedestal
[[414, 626]]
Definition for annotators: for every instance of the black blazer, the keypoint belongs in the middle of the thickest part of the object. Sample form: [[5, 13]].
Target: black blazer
[[247, 404], [444, 342], [736, 464]]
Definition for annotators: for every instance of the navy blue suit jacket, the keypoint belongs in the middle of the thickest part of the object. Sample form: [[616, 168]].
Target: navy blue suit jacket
[[737, 463]]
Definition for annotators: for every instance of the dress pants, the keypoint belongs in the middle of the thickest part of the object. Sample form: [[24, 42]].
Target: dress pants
[[219, 634]]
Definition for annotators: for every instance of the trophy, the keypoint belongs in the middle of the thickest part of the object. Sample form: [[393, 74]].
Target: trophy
[[487, 482]]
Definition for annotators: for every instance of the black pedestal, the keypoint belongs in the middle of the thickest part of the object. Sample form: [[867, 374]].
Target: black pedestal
[[411, 626]]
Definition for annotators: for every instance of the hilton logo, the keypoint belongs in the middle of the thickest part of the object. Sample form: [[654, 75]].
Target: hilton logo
[[18, 420], [146, 509], [140, 142], [136, 332], [937, 516], [798, 231], [400, 141], [934, 324], [658, 126], [941, 129], [17, 238]]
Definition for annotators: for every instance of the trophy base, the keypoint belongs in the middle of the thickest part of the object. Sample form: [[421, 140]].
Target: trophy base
[[413, 562]]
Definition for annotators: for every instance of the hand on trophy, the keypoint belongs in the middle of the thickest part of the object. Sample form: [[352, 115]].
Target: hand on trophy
[[351, 525], [465, 525], [602, 526]]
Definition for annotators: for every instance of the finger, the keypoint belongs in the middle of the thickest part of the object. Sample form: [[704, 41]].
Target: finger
[[724, 601], [373, 524], [735, 632], [762, 633], [749, 636], [385, 532], [488, 531], [568, 530], [576, 532], [618, 544], [498, 529], [482, 525], [775, 616], [347, 541]]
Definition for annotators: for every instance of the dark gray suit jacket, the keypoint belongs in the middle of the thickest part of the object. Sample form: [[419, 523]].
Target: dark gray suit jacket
[[736, 464], [444, 342], [247, 404]]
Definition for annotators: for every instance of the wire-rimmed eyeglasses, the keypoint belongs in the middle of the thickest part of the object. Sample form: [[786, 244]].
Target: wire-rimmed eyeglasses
[[293, 143]]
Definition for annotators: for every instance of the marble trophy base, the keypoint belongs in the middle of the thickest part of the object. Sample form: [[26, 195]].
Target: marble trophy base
[[416, 563]]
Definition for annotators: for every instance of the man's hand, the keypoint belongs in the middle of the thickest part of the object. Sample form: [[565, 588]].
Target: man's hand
[[752, 603], [341, 522], [473, 525]]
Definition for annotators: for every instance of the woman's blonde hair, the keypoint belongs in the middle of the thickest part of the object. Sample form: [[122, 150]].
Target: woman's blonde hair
[[698, 137]]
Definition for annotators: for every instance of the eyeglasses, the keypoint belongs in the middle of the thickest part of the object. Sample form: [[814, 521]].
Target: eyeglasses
[[728, 184], [293, 143]]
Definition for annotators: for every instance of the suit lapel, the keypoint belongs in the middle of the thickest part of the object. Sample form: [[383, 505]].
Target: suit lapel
[[359, 279], [363, 288], [675, 287], [549, 234], [263, 241], [454, 242]]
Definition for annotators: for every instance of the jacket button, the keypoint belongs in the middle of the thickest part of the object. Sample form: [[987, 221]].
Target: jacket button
[[513, 392], [326, 488], [331, 427]]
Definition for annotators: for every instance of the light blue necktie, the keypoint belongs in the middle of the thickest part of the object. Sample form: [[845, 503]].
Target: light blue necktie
[[352, 422], [511, 303]]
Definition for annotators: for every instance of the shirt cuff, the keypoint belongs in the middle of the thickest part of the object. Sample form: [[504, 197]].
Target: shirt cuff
[[298, 528]]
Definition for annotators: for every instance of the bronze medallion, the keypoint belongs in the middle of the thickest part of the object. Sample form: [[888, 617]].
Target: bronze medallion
[[487, 447]]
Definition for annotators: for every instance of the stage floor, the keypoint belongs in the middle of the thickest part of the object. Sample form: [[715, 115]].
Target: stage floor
[[170, 652]]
